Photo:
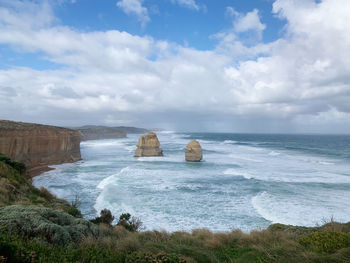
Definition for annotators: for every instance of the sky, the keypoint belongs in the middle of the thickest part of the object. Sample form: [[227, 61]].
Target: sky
[[257, 66]]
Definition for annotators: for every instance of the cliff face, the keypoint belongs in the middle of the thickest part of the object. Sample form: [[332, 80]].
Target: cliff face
[[38, 145]]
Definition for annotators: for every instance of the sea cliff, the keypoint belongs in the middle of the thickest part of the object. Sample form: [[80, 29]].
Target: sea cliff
[[38, 146], [94, 132]]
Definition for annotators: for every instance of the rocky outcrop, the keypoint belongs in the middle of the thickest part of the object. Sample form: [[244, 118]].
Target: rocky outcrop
[[193, 152], [100, 132], [38, 145], [148, 145]]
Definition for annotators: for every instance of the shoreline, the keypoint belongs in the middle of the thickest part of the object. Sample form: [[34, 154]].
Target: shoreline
[[40, 169]]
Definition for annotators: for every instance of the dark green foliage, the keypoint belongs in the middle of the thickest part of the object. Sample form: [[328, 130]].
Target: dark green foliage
[[130, 223], [19, 250], [46, 194], [326, 242], [230, 254], [16, 189], [300, 230], [149, 258], [105, 217], [74, 211], [20, 167], [52, 226], [74, 208]]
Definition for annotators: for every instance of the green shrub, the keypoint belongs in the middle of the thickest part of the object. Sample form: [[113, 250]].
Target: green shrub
[[325, 242], [20, 167], [46, 194], [73, 211], [105, 217], [52, 226], [230, 254], [130, 223], [149, 258]]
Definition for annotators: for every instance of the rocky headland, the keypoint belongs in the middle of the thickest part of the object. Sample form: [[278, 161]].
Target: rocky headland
[[39, 146], [148, 145], [100, 132], [94, 132]]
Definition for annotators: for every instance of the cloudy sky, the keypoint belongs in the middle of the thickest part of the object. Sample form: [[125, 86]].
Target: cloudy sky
[[191, 65]]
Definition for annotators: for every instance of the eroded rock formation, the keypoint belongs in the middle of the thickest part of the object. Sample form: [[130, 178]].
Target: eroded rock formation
[[148, 145], [38, 145], [193, 152]]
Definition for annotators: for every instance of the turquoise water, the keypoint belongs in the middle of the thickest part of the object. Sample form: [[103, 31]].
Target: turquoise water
[[246, 181]]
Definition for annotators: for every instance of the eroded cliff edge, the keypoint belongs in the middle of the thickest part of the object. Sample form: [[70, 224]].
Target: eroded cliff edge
[[39, 145]]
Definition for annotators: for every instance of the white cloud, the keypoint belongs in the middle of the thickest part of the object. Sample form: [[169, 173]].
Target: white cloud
[[135, 7], [25, 14], [112, 75], [246, 22], [191, 4]]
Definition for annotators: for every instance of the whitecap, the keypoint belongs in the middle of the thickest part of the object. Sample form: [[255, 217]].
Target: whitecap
[[235, 172], [229, 142], [326, 163], [274, 153]]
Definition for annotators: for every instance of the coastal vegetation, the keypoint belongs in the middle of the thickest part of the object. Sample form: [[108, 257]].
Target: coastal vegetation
[[36, 226]]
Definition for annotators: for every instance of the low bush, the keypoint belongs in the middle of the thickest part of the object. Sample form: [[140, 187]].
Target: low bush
[[52, 226], [130, 223], [18, 250], [105, 217], [325, 242], [20, 167]]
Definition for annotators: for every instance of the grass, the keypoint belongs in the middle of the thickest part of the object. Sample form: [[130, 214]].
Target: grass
[[116, 244], [15, 188]]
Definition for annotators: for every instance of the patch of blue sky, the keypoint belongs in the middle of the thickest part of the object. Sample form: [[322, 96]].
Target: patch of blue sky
[[10, 58], [169, 21]]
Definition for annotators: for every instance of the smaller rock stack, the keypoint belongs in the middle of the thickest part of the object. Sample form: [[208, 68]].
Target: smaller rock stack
[[148, 145], [193, 152]]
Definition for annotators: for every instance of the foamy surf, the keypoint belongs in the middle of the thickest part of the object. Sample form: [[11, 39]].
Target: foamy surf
[[246, 181], [304, 210]]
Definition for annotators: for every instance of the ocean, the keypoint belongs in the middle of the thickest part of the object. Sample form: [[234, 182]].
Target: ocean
[[246, 181]]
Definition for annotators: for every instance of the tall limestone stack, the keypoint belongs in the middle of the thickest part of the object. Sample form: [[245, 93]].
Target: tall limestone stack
[[148, 145], [193, 152]]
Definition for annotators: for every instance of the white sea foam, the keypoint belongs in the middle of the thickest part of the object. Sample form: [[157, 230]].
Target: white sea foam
[[306, 209], [102, 143], [107, 181], [229, 142], [236, 172], [326, 163], [168, 193], [245, 158], [165, 132], [174, 159]]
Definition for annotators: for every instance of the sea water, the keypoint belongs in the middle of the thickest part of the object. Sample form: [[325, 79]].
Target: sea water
[[245, 181]]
